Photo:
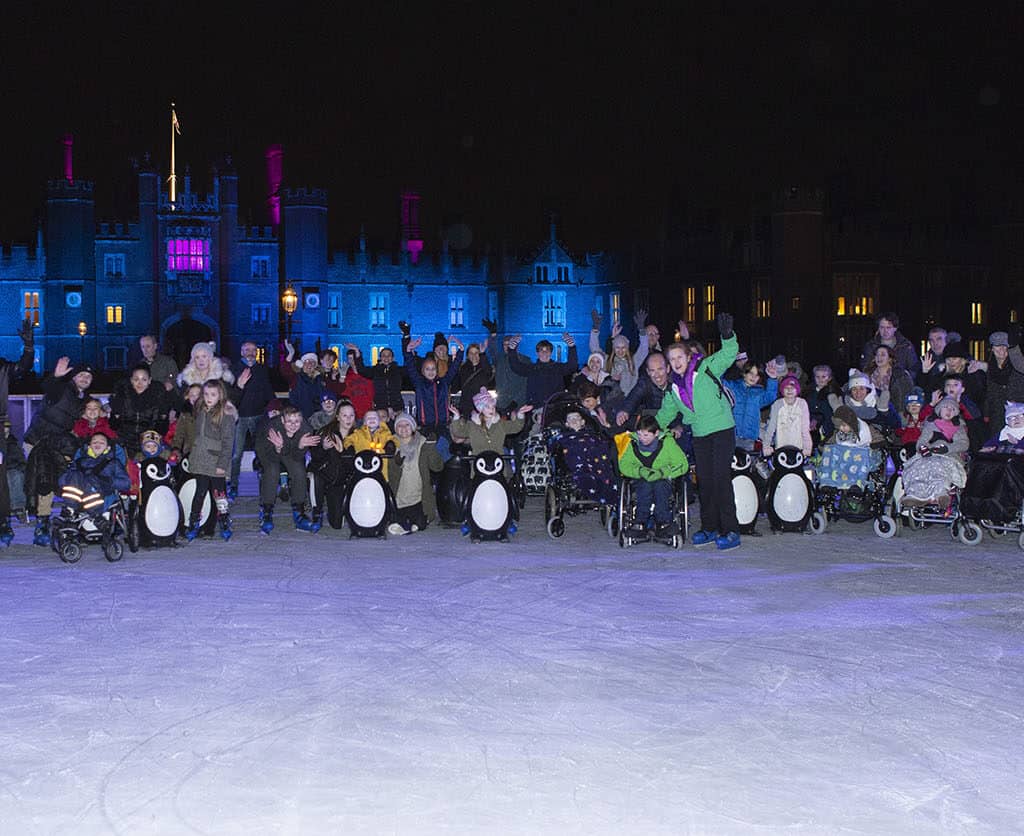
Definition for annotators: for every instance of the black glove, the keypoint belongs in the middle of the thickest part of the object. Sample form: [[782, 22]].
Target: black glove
[[725, 325], [1013, 335], [389, 448], [404, 327], [491, 326], [27, 332]]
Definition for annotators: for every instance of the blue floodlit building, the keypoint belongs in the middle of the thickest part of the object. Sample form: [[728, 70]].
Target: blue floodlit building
[[188, 269]]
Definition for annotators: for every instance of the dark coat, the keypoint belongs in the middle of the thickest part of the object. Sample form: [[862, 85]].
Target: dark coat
[[432, 395], [387, 384], [470, 379], [47, 461], [131, 413], [104, 474], [543, 379], [305, 393], [62, 406], [252, 399], [906, 354], [10, 371], [289, 451]]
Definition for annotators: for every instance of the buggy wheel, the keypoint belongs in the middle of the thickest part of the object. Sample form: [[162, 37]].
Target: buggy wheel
[[556, 527], [994, 533], [612, 523], [550, 504], [819, 522], [971, 533], [71, 552], [134, 535], [885, 527], [113, 551], [519, 490], [625, 542], [678, 541]]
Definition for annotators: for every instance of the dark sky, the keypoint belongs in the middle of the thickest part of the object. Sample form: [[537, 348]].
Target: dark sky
[[500, 118]]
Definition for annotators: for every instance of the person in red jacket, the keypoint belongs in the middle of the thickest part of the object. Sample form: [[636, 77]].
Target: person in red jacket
[[358, 389]]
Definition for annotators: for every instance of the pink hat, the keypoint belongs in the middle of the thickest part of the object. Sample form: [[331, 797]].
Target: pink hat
[[483, 398], [790, 379]]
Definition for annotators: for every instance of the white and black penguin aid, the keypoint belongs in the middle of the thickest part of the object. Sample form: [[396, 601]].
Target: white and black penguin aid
[[748, 490], [790, 502], [369, 504], [491, 509], [159, 516]]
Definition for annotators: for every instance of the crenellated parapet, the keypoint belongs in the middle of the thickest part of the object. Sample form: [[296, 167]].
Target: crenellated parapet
[[303, 196], [67, 190]]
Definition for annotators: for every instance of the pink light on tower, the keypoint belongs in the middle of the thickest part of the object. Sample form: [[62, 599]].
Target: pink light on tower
[[69, 173], [275, 167], [412, 238]]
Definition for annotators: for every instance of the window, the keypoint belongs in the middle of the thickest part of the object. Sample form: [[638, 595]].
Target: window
[[378, 310], [260, 266], [977, 348], [709, 302], [334, 310], [752, 254], [977, 314], [841, 306], [855, 293], [457, 310], [115, 356], [554, 310], [762, 300], [261, 313], [794, 303], [1013, 316], [115, 314], [492, 305], [615, 307], [190, 255], [691, 304], [340, 351], [563, 274], [541, 274], [560, 352], [32, 310], [261, 354], [113, 265]]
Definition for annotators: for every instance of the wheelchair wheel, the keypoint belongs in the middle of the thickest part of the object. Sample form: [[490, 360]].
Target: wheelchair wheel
[[995, 533], [556, 527], [625, 505], [970, 534], [885, 527], [134, 533], [550, 504], [71, 552], [819, 522], [624, 541], [113, 551]]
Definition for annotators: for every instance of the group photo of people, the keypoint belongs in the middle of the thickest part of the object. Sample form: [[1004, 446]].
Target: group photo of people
[[639, 429]]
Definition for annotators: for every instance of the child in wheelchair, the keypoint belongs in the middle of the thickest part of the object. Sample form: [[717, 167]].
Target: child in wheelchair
[[652, 461]]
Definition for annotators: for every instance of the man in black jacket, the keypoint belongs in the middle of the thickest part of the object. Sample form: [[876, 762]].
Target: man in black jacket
[[387, 379], [250, 394]]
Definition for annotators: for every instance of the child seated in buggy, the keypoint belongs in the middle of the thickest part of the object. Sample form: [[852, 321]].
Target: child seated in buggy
[[994, 495], [652, 466], [94, 510], [582, 461]]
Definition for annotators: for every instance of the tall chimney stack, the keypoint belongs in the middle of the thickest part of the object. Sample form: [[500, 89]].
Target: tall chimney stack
[[274, 157], [69, 173]]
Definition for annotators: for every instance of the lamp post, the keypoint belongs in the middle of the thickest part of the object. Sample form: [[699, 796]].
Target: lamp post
[[290, 303], [83, 329]]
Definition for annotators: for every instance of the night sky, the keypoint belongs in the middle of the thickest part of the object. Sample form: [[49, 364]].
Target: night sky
[[501, 118]]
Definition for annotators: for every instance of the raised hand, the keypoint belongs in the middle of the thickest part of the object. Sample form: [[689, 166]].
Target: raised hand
[[414, 344], [26, 332], [521, 412], [404, 327], [570, 340], [453, 340], [927, 362], [684, 332], [595, 319], [63, 367], [490, 325], [275, 438], [290, 349], [309, 440], [243, 378], [725, 323], [640, 318], [454, 412], [616, 329], [353, 347]]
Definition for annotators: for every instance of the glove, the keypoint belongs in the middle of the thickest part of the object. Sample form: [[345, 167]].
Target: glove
[[27, 332], [389, 448], [491, 326], [1014, 335], [404, 327], [725, 325]]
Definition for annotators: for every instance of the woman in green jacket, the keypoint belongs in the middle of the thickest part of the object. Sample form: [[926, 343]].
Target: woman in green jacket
[[697, 395]]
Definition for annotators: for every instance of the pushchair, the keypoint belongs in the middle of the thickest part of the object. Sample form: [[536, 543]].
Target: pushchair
[[852, 486], [994, 494], [86, 518], [927, 492], [583, 467]]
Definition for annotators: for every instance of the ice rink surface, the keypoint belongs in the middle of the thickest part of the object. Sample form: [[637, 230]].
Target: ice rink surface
[[308, 684]]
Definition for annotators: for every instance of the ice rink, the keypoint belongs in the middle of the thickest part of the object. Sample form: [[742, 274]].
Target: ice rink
[[308, 684]]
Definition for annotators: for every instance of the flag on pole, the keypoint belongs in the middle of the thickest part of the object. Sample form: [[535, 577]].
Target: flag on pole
[[174, 122]]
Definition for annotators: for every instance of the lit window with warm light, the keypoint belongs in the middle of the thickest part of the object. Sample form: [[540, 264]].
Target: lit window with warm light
[[841, 306], [115, 314], [691, 304], [709, 302], [977, 314], [615, 304], [30, 310]]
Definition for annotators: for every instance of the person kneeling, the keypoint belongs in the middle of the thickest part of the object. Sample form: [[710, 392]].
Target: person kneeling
[[284, 447], [409, 477]]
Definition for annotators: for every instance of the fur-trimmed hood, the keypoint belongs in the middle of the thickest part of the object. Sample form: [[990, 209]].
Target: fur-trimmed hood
[[219, 370]]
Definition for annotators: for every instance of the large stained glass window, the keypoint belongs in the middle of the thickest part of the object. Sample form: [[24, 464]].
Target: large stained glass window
[[190, 255]]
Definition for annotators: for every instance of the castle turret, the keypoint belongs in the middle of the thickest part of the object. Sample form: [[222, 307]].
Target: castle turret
[[412, 238], [304, 220], [149, 244]]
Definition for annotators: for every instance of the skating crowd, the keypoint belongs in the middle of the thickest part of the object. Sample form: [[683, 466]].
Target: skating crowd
[[662, 407]]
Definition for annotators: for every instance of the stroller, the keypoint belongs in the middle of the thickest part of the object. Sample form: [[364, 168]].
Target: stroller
[[927, 492], [583, 467], [852, 485], [86, 518], [994, 494]]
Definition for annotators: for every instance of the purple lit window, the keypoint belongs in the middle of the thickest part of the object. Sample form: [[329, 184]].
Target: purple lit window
[[188, 254]]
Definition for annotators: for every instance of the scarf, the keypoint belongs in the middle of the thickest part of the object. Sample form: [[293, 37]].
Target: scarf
[[1011, 434], [684, 382]]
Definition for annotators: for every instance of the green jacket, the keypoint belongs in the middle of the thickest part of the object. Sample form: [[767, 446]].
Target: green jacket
[[667, 462], [711, 411], [483, 438]]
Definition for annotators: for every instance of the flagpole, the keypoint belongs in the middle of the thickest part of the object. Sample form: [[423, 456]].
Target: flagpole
[[172, 180]]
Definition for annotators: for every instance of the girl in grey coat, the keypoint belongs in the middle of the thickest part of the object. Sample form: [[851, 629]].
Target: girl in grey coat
[[210, 458]]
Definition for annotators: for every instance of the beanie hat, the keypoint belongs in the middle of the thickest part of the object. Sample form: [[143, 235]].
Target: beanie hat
[[858, 378], [202, 348], [790, 380], [328, 395], [620, 341], [998, 338], [405, 416], [273, 405], [847, 416], [956, 350], [596, 354], [483, 398], [1014, 408], [309, 355], [946, 401], [915, 395], [81, 367], [439, 339]]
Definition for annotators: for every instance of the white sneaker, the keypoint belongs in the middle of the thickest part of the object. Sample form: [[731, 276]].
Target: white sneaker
[[414, 528], [395, 529]]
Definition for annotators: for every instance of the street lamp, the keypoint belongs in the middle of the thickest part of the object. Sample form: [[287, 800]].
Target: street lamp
[[83, 329], [290, 303]]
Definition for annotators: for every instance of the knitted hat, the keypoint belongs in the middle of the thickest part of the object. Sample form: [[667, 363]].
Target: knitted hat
[[1013, 408], [81, 367], [483, 398], [439, 339], [621, 341], [328, 395], [858, 378], [956, 350], [309, 355], [596, 354], [947, 401], [847, 416], [998, 338], [790, 380], [202, 348], [915, 395], [405, 416]]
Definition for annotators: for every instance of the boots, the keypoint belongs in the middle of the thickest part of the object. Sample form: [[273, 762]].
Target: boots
[[302, 522], [224, 522], [266, 519], [192, 531], [41, 537]]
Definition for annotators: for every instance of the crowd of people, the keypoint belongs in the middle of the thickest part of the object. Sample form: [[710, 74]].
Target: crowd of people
[[671, 407]]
